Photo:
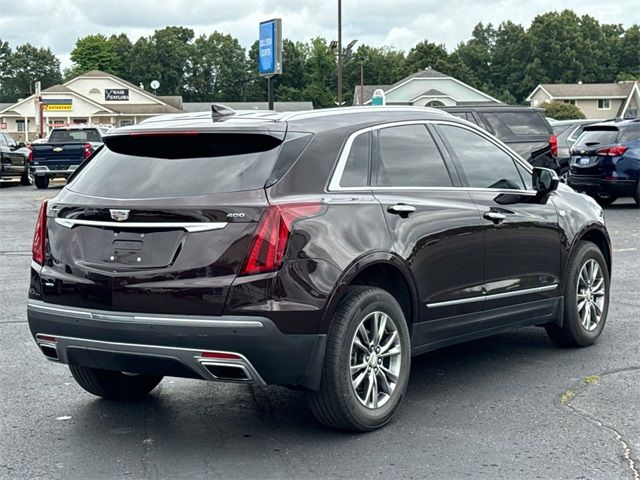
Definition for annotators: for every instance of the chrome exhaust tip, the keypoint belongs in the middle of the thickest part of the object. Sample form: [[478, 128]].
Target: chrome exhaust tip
[[227, 372]]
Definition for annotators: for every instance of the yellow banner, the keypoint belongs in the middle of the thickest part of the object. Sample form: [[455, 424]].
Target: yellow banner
[[58, 108]]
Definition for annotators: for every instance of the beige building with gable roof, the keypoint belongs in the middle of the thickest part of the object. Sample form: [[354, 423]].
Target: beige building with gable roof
[[595, 100]]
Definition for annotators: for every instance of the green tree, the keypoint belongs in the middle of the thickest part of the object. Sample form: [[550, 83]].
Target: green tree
[[426, 55], [27, 65], [95, 52], [5, 59], [217, 69], [629, 53], [561, 111]]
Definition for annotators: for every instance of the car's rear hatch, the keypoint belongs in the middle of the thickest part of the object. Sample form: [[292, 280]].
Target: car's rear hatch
[[585, 159], [158, 222]]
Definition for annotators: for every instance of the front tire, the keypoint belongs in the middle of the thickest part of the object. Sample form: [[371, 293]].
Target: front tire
[[367, 362], [113, 385], [586, 299], [42, 182]]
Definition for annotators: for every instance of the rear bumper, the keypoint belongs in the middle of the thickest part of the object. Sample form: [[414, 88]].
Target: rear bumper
[[174, 345], [588, 184], [44, 171]]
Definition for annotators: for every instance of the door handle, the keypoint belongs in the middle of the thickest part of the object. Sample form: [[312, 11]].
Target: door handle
[[401, 209], [495, 217]]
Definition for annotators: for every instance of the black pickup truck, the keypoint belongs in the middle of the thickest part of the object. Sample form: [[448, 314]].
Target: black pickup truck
[[65, 149], [13, 160]]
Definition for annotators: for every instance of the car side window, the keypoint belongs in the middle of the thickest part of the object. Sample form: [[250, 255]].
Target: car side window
[[356, 170], [483, 163], [10, 141], [409, 157]]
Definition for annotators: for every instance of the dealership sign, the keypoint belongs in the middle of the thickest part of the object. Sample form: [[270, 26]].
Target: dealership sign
[[57, 104], [270, 48], [116, 94]]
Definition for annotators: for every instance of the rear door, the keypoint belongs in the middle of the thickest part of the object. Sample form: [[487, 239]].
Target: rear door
[[522, 238], [434, 224], [159, 223]]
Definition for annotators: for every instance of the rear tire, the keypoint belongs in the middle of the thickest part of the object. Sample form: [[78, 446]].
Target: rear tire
[[362, 386], [580, 291], [25, 180], [42, 182], [604, 200], [113, 385]]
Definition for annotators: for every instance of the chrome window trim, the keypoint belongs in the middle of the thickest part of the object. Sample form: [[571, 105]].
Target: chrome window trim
[[189, 227], [494, 296], [105, 316], [334, 183]]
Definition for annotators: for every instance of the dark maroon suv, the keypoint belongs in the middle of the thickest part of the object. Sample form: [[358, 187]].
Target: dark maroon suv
[[318, 250]]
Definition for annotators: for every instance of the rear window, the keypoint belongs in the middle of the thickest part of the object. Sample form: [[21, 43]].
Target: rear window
[[178, 165], [75, 136], [631, 133], [599, 136], [507, 124]]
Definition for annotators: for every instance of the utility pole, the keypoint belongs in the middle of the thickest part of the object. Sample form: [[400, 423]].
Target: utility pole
[[361, 84], [340, 53]]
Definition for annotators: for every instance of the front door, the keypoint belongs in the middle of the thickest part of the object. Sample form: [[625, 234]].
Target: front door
[[521, 234]]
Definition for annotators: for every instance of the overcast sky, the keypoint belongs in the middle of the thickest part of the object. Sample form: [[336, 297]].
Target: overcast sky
[[399, 23]]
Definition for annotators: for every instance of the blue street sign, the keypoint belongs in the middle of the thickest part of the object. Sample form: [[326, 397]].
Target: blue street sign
[[270, 47]]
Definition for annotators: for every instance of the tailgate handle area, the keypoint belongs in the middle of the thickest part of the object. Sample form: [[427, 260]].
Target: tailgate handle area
[[187, 226]]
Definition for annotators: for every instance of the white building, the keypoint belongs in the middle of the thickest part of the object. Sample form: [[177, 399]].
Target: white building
[[93, 97], [427, 87]]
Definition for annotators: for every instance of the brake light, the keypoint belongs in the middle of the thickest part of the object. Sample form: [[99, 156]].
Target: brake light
[[88, 150], [553, 142], [614, 151], [30, 158], [269, 242], [38, 248]]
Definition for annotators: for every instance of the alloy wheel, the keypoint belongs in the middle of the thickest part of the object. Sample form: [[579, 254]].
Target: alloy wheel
[[375, 359], [590, 294]]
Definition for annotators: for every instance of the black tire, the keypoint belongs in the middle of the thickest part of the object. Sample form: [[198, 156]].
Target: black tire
[[24, 179], [336, 404], [604, 200], [113, 385], [573, 333], [42, 182], [636, 195]]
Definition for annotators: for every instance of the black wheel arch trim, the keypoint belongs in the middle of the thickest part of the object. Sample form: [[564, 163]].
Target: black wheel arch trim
[[584, 232], [359, 265]]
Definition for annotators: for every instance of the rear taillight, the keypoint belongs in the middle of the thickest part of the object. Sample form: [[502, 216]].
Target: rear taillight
[[269, 242], [553, 143], [88, 150], [614, 151], [37, 249], [30, 158]]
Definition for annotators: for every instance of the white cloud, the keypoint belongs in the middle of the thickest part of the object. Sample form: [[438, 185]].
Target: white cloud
[[401, 23]]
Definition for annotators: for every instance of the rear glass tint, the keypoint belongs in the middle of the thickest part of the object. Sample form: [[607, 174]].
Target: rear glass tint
[[178, 165], [631, 133], [599, 136], [356, 170], [517, 123], [75, 136]]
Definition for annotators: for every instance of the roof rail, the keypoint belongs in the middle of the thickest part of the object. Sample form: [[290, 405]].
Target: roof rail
[[218, 111]]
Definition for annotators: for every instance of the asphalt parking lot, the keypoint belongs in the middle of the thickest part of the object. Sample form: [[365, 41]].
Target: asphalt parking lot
[[510, 406]]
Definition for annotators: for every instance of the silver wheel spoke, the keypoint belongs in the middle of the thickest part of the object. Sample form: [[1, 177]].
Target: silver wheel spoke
[[591, 292], [375, 360]]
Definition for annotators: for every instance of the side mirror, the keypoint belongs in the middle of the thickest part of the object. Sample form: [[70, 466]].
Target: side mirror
[[21, 145], [544, 181]]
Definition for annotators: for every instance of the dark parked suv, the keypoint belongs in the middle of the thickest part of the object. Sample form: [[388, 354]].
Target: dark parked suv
[[524, 129], [317, 250], [605, 161]]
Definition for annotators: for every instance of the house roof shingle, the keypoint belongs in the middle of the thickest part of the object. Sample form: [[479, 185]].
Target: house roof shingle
[[588, 89]]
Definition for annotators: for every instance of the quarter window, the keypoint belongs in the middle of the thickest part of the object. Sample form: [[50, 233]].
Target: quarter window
[[356, 170], [409, 157], [483, 163]]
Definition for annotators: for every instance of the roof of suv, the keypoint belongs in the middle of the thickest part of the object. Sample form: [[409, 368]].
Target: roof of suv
[[491, 107], [615, 123], [311, 120]]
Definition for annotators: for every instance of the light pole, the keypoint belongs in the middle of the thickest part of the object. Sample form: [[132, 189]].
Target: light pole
[[339, 53]]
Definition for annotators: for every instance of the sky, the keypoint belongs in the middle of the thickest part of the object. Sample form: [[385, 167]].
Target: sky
[[397, 23]]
